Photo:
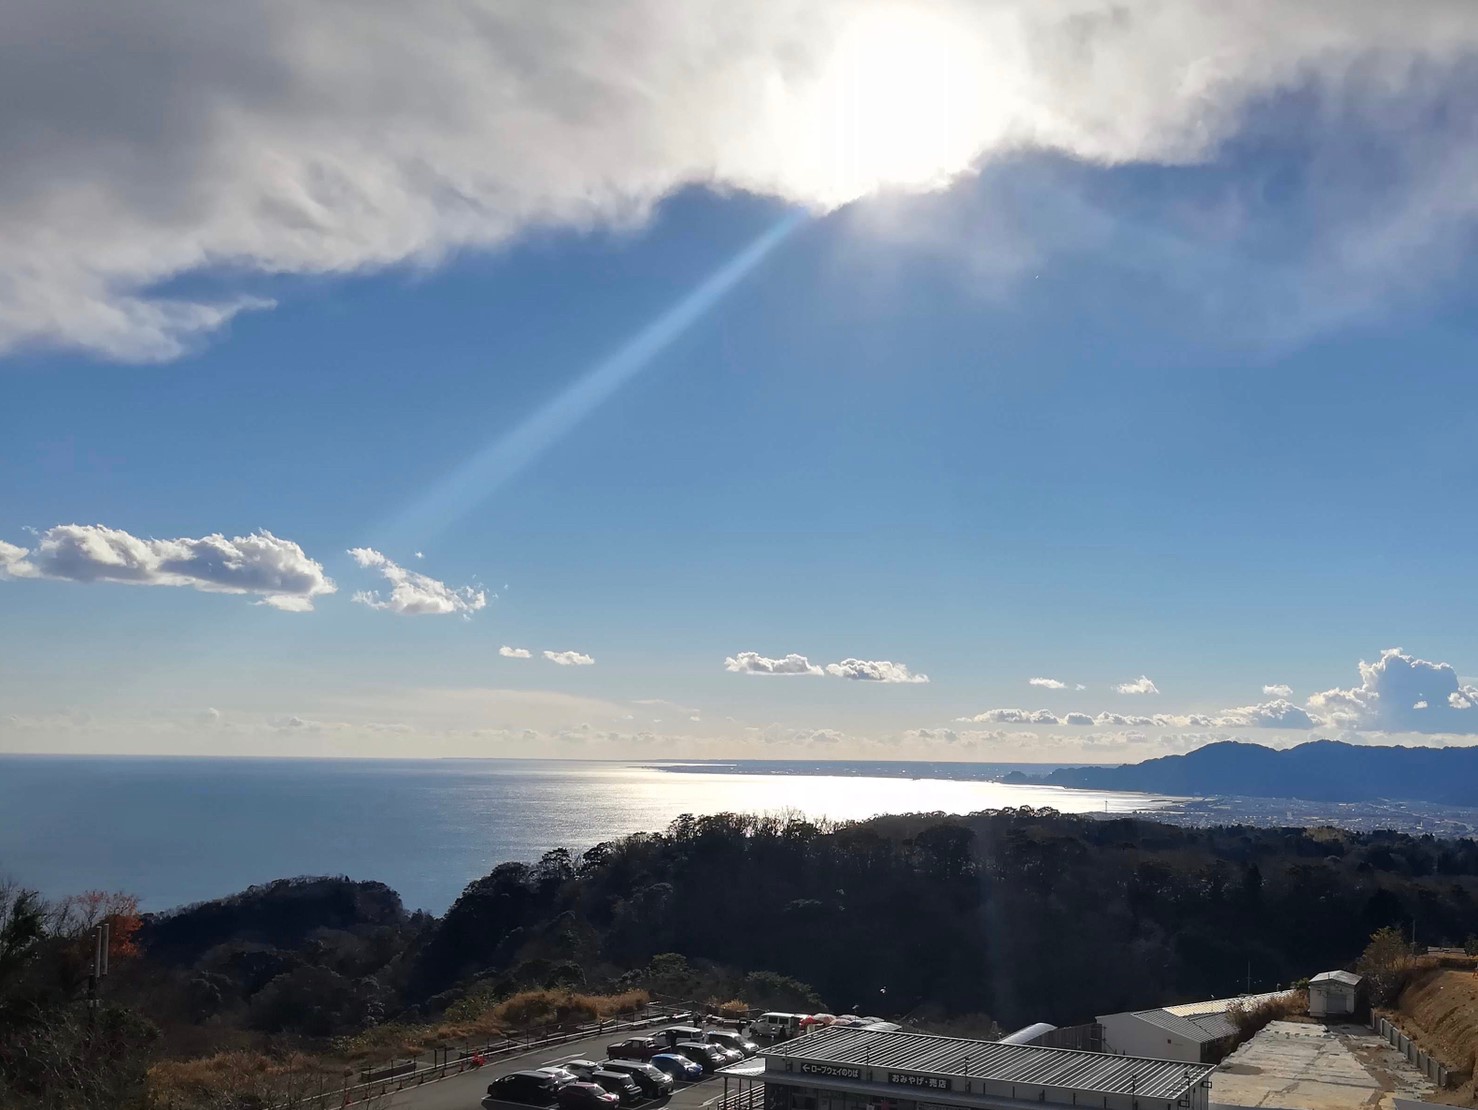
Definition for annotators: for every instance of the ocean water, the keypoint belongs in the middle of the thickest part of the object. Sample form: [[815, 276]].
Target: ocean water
[[174, 831]]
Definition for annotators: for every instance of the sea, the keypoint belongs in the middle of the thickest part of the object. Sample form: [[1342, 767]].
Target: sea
[[173, 831]]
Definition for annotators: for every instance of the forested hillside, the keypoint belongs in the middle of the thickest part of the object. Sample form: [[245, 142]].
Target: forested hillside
[[1321, 771], [1018, 915]]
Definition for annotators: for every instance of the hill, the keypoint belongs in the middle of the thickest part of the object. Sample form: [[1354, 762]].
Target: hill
[[1321, 771]]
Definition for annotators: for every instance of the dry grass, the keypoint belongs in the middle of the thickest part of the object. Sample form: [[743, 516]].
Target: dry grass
[[239, 1079], [480, 1019], [1250, 1019]]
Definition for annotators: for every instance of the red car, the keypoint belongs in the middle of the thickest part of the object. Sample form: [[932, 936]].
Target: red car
[[637, 1048], [585, 1096]]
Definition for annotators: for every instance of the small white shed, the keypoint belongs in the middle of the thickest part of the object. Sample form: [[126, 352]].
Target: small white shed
[[1334, 993]]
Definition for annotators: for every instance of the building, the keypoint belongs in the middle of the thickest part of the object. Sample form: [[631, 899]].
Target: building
[[1197, 1032], [1335, 994], [870, 1069]]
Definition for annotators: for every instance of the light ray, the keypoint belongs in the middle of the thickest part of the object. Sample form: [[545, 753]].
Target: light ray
[[494, 464]]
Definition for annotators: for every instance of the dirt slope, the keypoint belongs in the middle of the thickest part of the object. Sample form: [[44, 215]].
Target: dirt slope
[[1440, 1011]]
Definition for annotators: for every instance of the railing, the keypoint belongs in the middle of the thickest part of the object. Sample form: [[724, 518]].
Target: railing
[[397, 1077]]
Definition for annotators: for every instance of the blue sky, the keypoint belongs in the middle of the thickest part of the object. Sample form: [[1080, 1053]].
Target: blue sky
[[1119, 405]]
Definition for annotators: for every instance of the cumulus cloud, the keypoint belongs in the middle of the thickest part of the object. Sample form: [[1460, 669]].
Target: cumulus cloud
[[752, 662], [1047, 683], [514, 653], [862, 670], [1141, 685], [276, 570], [873, 670], [1278, 690], [569, 658], [1077, 719], [1401, 693], [146, 141], [414, 594], [1015, 717], [1274, 714]]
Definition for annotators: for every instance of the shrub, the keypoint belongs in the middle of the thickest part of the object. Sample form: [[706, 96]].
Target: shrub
[[1251, 1019]]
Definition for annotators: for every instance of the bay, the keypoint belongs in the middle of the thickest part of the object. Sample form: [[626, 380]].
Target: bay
[[176, 830]]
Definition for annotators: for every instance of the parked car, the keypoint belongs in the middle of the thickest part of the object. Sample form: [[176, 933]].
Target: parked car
[[635, 1048], [679, 1067], [730, 1055], [731, 1040], [582, 1069], [627, 1089], [708, 1057], [560, 1075], [674, 1034], [530, 1088], [653, 1081], [586, 1096]]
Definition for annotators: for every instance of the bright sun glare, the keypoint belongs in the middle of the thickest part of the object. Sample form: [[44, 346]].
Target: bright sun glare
[[900, 103]]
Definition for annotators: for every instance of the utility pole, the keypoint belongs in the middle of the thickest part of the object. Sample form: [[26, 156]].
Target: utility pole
[[99, 966]]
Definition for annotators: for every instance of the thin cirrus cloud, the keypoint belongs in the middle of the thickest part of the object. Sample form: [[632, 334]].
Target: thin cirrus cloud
[[247, 141], [569, 658], [414, 594], [277, 571], [514, 653], [1047, 683], [859, 670]]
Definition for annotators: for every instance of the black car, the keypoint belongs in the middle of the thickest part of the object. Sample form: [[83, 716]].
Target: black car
[[619, 1084], [531, 1088], [706, 1056], [654, 1082]]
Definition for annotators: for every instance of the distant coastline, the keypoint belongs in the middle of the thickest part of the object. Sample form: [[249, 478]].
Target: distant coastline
[[861, 768]]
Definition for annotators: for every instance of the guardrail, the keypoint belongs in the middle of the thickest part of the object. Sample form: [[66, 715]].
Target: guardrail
[[467, 1060], [1423, 1061]]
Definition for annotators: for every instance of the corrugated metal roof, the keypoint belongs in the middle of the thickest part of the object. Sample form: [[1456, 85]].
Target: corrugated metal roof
[[1009, 1063], [1201, 1028], [1218, 1005], [1348, 978]]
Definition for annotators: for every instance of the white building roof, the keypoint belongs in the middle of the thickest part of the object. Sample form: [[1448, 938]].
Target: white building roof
[[1348, 978], [1199, 1022], [990, 1060]]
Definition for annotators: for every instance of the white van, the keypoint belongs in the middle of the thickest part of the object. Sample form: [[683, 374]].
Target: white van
[[775, 1026]]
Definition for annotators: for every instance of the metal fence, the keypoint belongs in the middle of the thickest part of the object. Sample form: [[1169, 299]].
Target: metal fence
[[377, 1082]]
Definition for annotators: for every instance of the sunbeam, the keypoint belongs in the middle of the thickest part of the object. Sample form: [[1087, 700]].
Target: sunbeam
[[495, 463]]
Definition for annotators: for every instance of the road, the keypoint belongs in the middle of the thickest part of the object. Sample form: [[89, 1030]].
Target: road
[[465, 1091]]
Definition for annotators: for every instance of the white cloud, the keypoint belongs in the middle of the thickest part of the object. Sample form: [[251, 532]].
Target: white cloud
[[873, 670], [1047, 683], [1077, 719], [1274, 714], [275, 569], [315, 138], [1401, 693], [1015, 717], [1278, 690], [569, 658], [514, 653], [414, 594], [1141, 685], [751, 662]]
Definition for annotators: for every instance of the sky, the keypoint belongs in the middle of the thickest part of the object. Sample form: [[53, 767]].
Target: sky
[[1062, 381]]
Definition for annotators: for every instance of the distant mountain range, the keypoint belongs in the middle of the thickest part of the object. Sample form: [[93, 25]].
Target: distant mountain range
[[1321, 771]]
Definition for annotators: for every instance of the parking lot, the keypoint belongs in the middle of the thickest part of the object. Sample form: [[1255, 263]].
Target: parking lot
[[465, 1091]]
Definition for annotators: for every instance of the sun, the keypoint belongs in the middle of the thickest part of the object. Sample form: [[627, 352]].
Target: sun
[[900, 104]]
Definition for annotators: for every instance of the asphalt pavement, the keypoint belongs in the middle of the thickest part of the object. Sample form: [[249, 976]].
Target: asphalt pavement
[[465, 1091]]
